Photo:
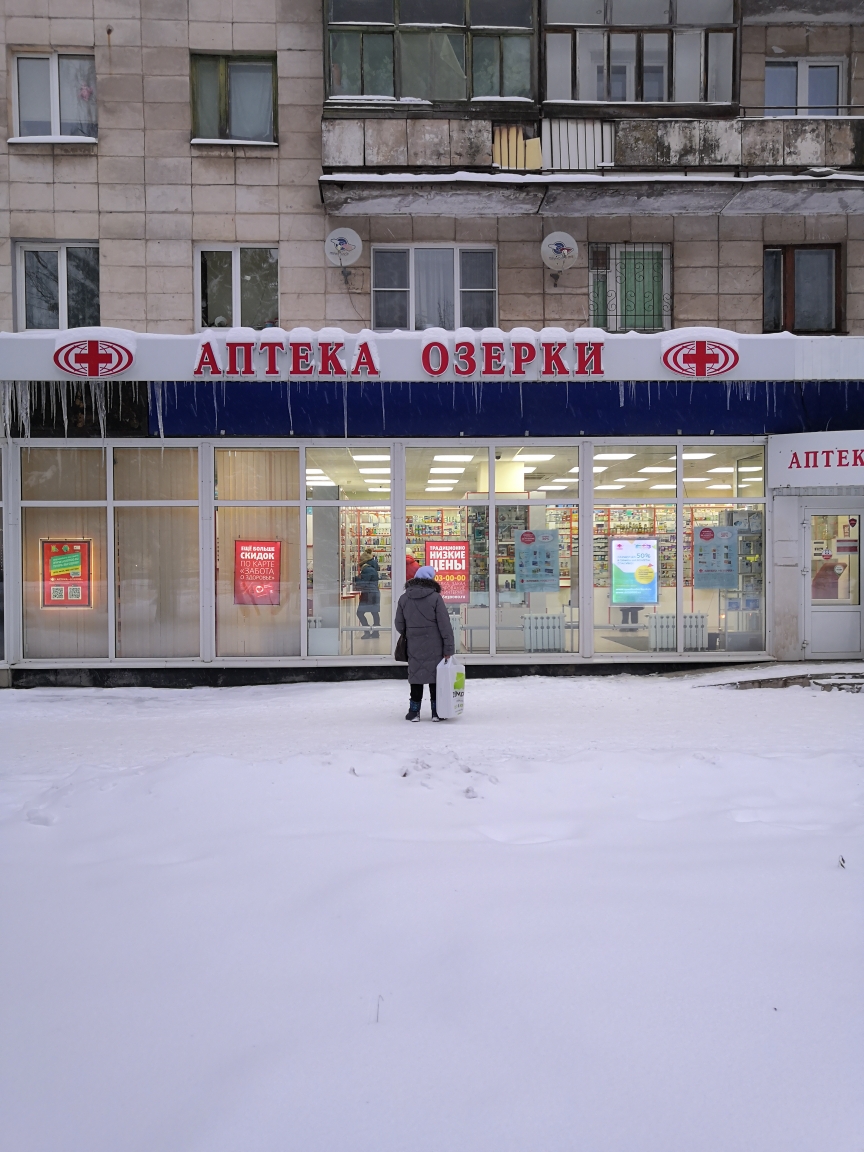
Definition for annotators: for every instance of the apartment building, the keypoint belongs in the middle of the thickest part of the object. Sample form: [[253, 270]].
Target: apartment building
[[391, 275]]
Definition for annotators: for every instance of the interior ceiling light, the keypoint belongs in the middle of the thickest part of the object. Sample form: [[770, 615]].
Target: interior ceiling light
[[373, 459], [614, 455], [631, 479], [320, 481], [564, 480], [664, 487], [374, 471], [721, 469], [551, 488], [439, 489], [695, 455], [379, 489], [574, 469], [658, 469], [696, 479], [726, 487], [602, 468], [314, 471], [446, 471], [533, 459], [749, 469], [454, 459], [608, 487], [531, 469]]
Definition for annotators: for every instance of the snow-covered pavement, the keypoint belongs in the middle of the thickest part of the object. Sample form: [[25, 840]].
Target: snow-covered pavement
[[605, 914]]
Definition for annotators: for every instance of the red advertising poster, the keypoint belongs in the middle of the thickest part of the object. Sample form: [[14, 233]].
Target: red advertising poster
[[256, 571], [66, 574], [449, 558]]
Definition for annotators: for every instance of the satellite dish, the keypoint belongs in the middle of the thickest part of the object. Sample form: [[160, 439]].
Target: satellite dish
[[343, 247], [559, 251]]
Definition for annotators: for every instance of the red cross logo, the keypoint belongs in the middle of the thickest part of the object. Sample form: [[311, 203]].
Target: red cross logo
[[700, 358], [93, 358]]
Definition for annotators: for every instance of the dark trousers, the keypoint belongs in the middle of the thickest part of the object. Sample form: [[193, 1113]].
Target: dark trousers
[[417, 692], [363, 612]]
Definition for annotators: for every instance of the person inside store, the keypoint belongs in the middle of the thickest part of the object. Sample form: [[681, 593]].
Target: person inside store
[[370, 594], [412, 564], [421, 615]]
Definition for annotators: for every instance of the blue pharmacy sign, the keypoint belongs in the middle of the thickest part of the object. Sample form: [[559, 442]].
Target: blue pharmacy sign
[[633, 564]]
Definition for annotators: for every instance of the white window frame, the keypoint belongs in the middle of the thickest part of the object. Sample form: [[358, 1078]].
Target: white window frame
[[54, 80], [20, 276], [803, 99], [234, 249], [457, 277]]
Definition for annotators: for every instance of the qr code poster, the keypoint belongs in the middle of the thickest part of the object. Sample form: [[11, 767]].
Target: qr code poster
[[66, 573]]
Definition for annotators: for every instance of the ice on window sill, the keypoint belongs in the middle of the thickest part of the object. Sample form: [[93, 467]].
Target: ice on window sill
[[502, 99], [229, 140], [52, 140]]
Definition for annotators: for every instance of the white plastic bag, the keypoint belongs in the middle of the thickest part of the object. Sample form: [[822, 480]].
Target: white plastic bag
[[450, 688]]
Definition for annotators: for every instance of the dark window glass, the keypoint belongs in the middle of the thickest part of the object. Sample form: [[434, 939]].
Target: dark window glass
[[574, 12], [390, 284], [432, 12], [216, 301], [345, 63], [705, 12], [815, 290], [486, 66], [655, 66], [378, 64], [781, 88], [77, 80], [640, 11], [478, 309], [34, 97], [250, 99], [477, 269], [772, 290], [823, 89], [205, 81], [41, 290], [82, 287], [622, 67], [516, 71], [501, 13], [433, 66], [259, 287], [361, 11]]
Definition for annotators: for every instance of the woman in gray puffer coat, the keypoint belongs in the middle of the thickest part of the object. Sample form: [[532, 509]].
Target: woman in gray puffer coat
[[422, 615]]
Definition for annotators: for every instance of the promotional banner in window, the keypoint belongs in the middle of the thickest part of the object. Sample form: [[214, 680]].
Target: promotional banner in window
[[634, 570], [537, 567], [450, 560], [66, 574], [715, 558], [256, 571]]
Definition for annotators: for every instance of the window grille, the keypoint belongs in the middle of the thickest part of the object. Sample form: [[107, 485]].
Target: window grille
[[631, 287]]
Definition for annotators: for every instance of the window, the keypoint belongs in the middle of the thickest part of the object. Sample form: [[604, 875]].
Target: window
[[58, 286], [238, 286], [416, 288], [55, 95], [625, 64], [801, 289], [630, 287], [436, 50], [234, 98], [803, 87]]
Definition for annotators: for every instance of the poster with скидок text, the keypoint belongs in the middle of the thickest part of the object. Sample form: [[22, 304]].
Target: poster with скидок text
[[633, 565], [256, 571]]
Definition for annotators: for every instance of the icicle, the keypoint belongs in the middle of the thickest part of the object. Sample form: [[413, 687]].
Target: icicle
[[521, 408], [620, 393], [290, 412], [383, 409], [154, 399], [345, 406]]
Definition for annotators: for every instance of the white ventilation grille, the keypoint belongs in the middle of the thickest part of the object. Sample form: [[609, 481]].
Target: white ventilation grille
[[578, 145]]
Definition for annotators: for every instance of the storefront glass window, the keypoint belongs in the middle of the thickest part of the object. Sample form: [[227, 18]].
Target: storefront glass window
[[155, 473], [63, 474], [65, 578], [257, 474], [157, 582], [537, 570], [455, 472], [635, 472], [724, 581], [537, 472], [720, 472], [834, 560], [349, 588], [455, 542], [348, 473], [634, 578], [258, 581]]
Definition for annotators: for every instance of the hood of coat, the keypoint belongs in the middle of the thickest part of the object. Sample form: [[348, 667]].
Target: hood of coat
[[417, 589]]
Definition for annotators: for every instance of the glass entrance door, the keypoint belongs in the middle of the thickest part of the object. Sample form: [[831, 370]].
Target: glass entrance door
[[834, 586]]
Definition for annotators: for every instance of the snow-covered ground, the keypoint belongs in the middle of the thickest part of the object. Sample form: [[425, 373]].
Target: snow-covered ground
[[594, 915]]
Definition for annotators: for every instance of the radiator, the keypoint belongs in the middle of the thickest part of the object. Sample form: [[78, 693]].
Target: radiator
[[543, 633], [661, 632], [578, 145]]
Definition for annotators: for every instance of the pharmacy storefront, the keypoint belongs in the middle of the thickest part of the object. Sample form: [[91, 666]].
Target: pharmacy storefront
[[584, 497]]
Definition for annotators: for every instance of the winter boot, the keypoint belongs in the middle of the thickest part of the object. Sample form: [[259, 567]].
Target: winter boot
[[436, 719], [413, 713]]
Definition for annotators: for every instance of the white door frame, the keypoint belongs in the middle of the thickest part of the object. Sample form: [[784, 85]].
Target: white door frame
[[824, 506]]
